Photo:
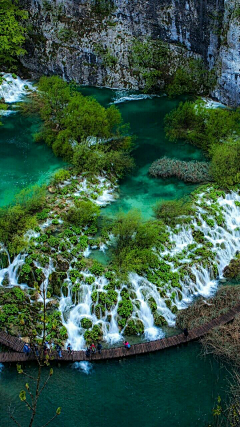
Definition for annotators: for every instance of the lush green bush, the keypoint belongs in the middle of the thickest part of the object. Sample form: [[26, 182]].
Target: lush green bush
[[171, 211], [12, 33], [15, 220], [226, 162], [96, 159], [201, 126], [60, 176], [84, 213], [134, 240], [192, 78]]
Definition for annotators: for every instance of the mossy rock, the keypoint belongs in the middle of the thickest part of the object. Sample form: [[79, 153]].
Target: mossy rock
[[152, 304], [55, 283], [93, 335], [134, 327], [62, 263], [232, 271], [4, 263], [86, 323], [159, 320]]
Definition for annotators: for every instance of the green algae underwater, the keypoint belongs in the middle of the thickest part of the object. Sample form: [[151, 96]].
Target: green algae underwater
[[171, 388]]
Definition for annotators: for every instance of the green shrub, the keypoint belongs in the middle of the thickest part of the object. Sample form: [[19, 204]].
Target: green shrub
[[172, 211], [84, 213], [201, 126], [225, 165]]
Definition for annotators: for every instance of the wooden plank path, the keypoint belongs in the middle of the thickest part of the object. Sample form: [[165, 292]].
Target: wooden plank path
[[117, 352]]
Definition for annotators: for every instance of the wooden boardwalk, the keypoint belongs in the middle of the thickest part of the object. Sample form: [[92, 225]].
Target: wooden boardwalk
[[118, 352]]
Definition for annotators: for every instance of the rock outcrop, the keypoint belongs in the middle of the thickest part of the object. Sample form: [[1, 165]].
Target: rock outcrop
[[90, 41]]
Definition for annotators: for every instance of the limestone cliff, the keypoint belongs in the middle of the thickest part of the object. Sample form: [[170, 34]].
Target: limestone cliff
[[91, 41]]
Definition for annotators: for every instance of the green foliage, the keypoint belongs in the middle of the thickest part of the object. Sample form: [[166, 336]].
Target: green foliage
[[201, 126], [15, 220], [12, 33], [86, 323], [102, 8], [162, 69], [60, 176], [98, 159], [134, 240], [226, 162], [125, 308], [84, 213], [80, 130], [215, 131], [172, 212], [192, 78], [93, 335]]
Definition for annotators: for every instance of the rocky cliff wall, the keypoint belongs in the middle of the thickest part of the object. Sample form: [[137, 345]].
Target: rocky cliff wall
[[85, 41]]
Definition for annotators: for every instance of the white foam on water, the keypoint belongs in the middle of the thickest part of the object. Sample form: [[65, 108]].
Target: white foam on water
[[14, 89], [84, 367], [125, 96]]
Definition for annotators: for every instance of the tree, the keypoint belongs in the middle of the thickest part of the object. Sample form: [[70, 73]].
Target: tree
[[33, 390], [11, 32]]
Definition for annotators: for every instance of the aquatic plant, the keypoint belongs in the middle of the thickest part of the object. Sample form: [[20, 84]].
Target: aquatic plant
[[192, 171]]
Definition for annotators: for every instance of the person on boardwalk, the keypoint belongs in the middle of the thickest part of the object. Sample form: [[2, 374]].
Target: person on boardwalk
[[69, 348], [127, 345], [26, 349], [88, 352], [36, 351], [185, 331], [99, 348], [93, 348], [59, 350]]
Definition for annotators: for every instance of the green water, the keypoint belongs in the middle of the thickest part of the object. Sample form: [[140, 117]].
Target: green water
[[140, 191], [22, 162], [167, 389]]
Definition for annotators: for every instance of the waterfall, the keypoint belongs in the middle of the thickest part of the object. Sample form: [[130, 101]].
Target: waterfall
[[13, 89], [199, 278]]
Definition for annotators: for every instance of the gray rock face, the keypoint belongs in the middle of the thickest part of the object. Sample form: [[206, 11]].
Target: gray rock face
[[71, 38]]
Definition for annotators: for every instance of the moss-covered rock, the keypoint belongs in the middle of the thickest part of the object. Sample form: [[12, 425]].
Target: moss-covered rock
[[86, 323], [159, 320], [134, 327], [232, 271]]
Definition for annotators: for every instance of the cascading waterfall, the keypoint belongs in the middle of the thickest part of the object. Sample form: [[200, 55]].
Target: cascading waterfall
[[13, 89], [199, 279]]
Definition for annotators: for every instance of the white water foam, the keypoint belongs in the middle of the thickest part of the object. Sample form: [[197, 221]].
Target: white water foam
[[14, 89], [85, 367], [125, 96]]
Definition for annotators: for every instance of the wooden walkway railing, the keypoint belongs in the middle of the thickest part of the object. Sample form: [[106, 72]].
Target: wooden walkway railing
[[118, 352]]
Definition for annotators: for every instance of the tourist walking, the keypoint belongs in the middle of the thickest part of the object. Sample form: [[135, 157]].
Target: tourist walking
[[59, 350], [93, 348], [88, 352], [99, 348], [69, 349], [127, 345], [185, 331]]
